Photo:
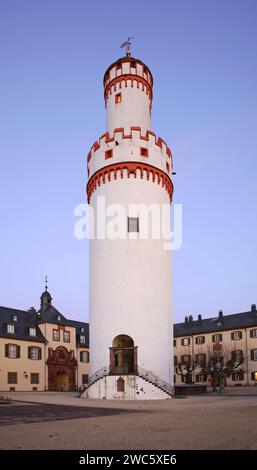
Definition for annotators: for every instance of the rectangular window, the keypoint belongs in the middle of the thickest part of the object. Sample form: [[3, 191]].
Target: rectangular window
[[84, 379], [82, 339], [236, 335], [200, 340], [32, 332], [254, 354], [238, 376], [185, 341], [10, 328], [186, 359], [175, 361], [144, 152], [34, 378], [108, 154], [174, 343], [237, 355], [200, 359], [118, 98], [133, 224], [253, 333], [34, 353], [56, 335], [118, 65], [167, 167], [66, 336], [133, 64], [12, 378], [84, 356], [12, 351], [217, 338]]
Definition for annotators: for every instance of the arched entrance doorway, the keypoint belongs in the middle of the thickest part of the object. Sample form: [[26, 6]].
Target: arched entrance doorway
[[123, 356], [61, 381], [62, 366]]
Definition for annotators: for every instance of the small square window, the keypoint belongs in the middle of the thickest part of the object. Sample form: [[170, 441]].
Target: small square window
[[108, 154], [144, 152], [82, 339], [118, 98], [133, 224], [14, 318], [32, 332], [167, 167], [10, 328]]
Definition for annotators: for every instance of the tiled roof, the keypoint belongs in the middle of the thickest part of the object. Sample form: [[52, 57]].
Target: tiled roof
[[25, 320], [216, 324], [31, 318]]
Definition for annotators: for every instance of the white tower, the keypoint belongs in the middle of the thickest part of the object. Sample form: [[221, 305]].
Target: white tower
[[131, 331]]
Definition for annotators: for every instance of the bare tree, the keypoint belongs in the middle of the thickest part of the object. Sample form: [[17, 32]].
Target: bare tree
[[222, 362], [185, 367]]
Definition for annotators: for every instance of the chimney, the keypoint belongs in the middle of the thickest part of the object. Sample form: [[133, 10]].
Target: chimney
[[253, 308], [186, 321], [220, 315], [199, 318], [190, 320]]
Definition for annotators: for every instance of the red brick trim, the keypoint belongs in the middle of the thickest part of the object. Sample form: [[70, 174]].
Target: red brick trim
[[128, 169], [106, 136], [121, 61], [125, 78]]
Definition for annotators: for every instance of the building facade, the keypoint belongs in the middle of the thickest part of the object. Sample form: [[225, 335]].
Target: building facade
[[42, 350], [198, 344], [130, 275]]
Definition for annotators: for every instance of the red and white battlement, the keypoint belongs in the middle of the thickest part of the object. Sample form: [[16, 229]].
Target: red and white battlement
[[128, 93]]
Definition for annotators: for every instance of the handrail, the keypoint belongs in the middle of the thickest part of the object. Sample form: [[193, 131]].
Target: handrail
[[99, 374], [153, 379]]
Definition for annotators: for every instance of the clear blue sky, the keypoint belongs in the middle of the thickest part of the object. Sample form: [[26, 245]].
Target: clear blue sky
[[202, 54]]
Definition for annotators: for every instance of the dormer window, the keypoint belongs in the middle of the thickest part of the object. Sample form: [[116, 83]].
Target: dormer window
[[59, 318], [82, 339], [32, 332], [14, 318], [82, 330], [10, 329]]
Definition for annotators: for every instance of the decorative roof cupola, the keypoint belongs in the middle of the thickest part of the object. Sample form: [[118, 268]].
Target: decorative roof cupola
[[46, 299]]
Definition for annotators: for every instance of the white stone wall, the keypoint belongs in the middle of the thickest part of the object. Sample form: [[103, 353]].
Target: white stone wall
[[130, 286], [136, 388], [133, 110]]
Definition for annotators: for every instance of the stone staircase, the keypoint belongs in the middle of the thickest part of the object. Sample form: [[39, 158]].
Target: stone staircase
[[142, 373]]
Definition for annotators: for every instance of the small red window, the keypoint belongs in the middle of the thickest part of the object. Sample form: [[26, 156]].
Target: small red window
[[118, 98], [144, 152], [108, 154], [168, 167]]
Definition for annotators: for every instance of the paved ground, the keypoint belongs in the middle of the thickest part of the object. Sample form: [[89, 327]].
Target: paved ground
[[66, 422]]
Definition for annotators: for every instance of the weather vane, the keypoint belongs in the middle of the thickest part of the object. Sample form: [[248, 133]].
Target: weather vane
[[46, 282], [127, 44]]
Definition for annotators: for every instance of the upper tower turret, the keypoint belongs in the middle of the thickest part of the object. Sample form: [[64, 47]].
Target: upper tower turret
[[128, 93]]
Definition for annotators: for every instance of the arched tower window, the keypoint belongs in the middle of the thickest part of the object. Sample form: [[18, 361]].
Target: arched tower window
[[123, 356]]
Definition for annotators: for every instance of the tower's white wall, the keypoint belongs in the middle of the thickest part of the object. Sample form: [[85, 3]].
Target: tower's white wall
[[130, 286], [133, 110]]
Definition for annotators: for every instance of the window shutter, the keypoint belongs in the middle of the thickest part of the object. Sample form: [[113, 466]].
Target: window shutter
[[252, 354], [213, 338], [232, 335], [251, 333], [252, 376], [29, 352], [88, 356], [80, 356], [18, 351], [6, 350], [240, 334], [39, 353]]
